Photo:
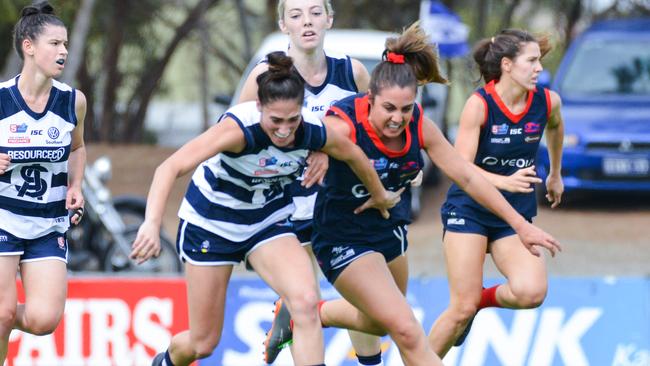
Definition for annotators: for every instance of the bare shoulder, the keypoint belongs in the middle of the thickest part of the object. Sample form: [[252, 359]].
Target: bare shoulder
[[361, 75], [80, 103], [556, 101]]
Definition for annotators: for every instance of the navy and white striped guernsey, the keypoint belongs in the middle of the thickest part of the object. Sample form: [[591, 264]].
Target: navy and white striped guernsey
[[34, 187], [236, 195], [338, 84], [507, 143], [334, 216]]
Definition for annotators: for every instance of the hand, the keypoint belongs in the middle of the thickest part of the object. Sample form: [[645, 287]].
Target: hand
[[147, 242], [521, 181], [317, 164], [531, 236], [554, 189], [74, 201], [388, 201], [417, 181], [4, 163], [76, 216]]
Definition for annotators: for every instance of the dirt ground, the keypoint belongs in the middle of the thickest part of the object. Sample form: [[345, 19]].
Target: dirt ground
[[600, 234]]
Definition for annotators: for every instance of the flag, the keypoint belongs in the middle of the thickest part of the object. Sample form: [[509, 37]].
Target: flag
[[444, 28]]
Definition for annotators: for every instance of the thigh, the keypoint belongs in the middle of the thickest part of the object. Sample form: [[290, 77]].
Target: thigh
[[206, 296], [368, 285], [284, 265], [46, 285], [8, 270], [516, 263], [464, 256], [399, 269]]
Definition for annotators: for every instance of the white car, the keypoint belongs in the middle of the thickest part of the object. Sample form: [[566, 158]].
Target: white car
[[366, 46]]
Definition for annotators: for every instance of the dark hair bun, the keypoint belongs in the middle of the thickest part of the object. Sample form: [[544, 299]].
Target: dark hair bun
[[280, 64], [39, 8]]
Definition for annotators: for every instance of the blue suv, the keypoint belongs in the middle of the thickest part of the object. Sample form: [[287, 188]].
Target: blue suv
[[604, 82]]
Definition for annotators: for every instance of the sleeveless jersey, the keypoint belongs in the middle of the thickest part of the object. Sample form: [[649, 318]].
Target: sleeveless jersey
[[234, 195], [339, 83], [507, 143], [34, 187], [334, 216]]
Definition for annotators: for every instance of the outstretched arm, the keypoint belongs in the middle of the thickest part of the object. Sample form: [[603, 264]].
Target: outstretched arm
[[340, 147], [479, 188], [224, 136], [554, 141]]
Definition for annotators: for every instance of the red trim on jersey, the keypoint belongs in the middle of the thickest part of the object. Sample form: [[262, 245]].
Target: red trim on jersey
[[353, 131], [485, 110], [362, 106], [420, 123], [548, 103], [515, 118]]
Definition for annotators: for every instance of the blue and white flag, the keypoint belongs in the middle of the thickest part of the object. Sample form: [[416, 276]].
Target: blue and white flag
[[445, 28]]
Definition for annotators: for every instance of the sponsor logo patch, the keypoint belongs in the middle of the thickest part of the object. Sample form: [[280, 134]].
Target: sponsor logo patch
[[500, 140], [500, 129], [14, 128], [61, 241], [532, 127], [455, 221]]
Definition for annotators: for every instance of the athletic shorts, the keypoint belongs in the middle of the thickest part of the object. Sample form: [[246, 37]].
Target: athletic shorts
[[334, 257], [51, 246], [455, 223], [303, 230], [204, 248]]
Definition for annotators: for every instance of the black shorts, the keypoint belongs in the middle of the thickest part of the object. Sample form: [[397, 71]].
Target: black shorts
[[334, 256], [204, 248]]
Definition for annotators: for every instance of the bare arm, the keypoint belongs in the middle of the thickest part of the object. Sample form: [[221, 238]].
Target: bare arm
[[340, 147], [224, 136], [361, 76], [554, 141], [479, 188], [249, 90], [471, 120], [77, 160]]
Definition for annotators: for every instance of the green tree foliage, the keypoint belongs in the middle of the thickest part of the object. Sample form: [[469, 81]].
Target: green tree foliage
[[131, 43]]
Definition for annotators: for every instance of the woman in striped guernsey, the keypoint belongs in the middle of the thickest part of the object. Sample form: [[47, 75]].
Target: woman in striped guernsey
[[328, 78], [42, 158], [235, 210]]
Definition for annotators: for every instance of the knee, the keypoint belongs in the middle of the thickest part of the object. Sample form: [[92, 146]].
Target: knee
[[528, 296], [203, 348], [463, 311], [43, 326], [304, 307], [407, 334], [42, 323], [7, 317]]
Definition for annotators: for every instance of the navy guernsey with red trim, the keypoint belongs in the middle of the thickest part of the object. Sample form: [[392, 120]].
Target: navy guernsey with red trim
[[334, 216], [507, 142]]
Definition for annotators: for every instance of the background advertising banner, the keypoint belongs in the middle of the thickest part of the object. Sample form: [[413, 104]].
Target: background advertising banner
[[587, 321], [107, 322], [584, 321]]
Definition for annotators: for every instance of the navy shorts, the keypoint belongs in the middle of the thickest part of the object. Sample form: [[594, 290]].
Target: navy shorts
[[456, 223], [334, 257], [204, 248], [303, 230], [51, 246]]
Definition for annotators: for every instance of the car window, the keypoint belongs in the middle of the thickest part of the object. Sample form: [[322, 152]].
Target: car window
[[609, 67]]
